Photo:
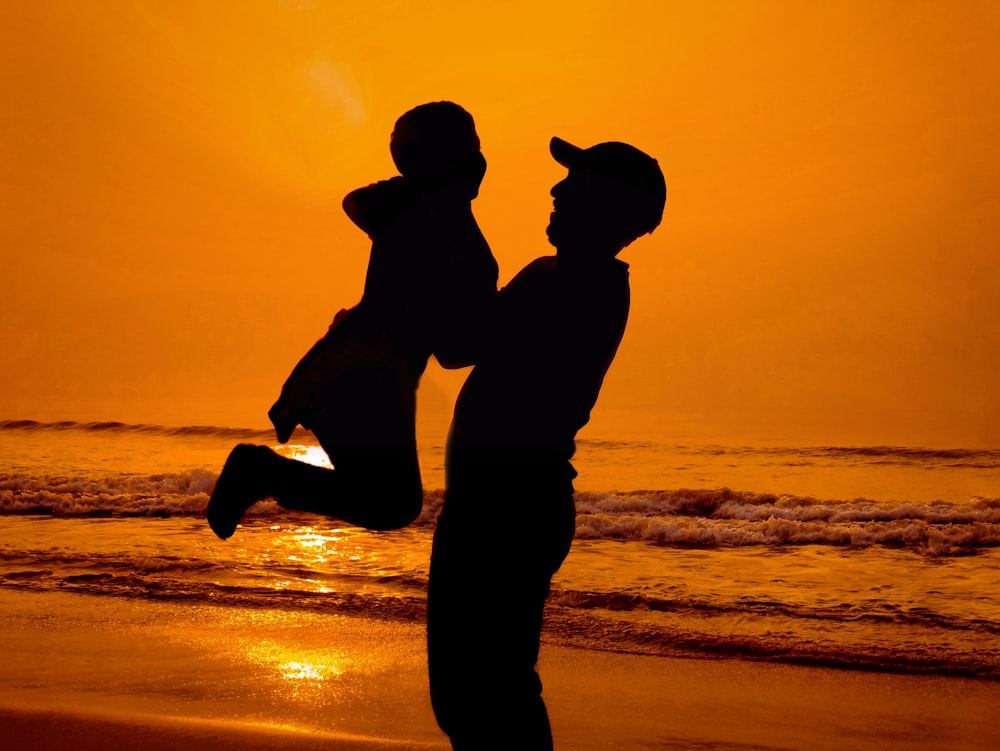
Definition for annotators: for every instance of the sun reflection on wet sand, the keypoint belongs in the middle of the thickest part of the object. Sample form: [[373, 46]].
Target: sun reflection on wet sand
[[316, 662], [301, 673]]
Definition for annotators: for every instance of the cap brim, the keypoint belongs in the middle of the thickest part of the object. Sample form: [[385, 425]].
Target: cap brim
[[564, 152]]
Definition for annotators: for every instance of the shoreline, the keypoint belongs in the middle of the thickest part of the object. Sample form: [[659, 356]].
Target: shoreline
[[86, 672]]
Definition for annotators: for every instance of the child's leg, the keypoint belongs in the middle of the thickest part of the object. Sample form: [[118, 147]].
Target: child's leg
[[386, 494], [368, 431]]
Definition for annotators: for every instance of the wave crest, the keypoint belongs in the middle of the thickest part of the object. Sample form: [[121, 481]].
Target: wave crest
[[704, 518], [209, 431], [724, 517]]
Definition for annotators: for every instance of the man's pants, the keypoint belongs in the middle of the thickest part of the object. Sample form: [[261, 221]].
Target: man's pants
[[490, 575]]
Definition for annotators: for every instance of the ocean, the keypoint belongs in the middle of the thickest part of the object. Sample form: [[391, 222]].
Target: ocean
[[875, 558]]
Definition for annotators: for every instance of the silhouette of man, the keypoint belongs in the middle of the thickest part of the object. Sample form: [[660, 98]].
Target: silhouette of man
[[508, 518]]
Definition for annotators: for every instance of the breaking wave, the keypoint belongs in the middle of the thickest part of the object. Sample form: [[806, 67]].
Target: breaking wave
[[684, 517], [723, 517]]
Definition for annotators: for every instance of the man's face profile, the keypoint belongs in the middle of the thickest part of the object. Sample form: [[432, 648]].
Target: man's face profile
[[583, 212]]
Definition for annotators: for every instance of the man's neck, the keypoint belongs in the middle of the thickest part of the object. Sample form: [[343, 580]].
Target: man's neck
[[587, 257]]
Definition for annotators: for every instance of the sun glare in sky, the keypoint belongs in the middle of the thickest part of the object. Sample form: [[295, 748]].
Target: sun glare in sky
[[172, 173]]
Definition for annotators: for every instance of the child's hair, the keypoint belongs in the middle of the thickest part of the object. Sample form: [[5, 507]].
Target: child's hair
[[433, 139]]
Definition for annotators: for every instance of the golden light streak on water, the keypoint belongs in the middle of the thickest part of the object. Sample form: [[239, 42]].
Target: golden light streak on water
[[314, 455], [312, 548]]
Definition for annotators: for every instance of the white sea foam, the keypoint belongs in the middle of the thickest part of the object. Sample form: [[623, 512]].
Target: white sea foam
[[719, 517]]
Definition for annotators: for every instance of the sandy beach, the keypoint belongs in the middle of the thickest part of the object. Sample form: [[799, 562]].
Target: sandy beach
[[87, 672], [31, 728]]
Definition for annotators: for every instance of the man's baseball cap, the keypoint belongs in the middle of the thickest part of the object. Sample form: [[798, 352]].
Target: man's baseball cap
[[631, 170]]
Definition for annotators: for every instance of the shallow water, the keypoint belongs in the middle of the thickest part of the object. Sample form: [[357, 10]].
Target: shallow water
[[883, 581]]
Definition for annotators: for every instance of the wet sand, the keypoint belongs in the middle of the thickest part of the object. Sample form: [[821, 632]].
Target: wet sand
[[48, 730], [83, 672]]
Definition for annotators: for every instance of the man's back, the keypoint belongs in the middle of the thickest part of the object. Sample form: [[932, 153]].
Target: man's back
[[556, 330]]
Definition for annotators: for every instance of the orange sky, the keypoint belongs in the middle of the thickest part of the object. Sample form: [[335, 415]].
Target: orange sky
[[171, 178]]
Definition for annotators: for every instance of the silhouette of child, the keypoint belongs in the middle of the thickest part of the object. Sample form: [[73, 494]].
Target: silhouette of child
[[431, 279]]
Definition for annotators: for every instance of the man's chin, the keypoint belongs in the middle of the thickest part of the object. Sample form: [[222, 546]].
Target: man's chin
[[553, 233]]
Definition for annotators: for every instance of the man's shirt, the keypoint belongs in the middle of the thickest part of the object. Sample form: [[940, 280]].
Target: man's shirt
[[555, 330]]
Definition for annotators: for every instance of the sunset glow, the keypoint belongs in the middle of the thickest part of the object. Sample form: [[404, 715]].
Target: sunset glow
[[172, 174], [784, 518]]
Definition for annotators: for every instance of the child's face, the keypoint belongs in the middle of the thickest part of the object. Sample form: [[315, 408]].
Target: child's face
[[470, 172], [458, 173]]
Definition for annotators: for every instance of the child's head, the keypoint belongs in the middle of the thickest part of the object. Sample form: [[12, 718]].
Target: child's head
[[437, 143]]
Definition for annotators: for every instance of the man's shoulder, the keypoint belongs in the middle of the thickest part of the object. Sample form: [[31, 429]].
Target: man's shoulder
[[542, 265], [534, 272], [611, 270], [611, 277]]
